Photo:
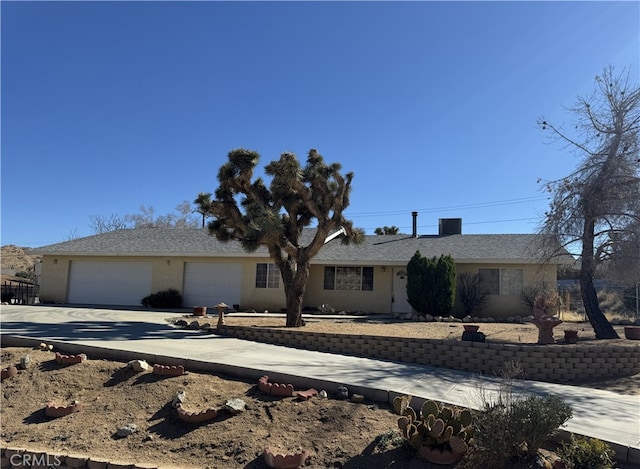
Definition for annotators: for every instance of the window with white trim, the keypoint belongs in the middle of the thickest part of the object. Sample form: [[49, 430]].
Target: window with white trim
[[506, 282], [348, 278], [267, 276]]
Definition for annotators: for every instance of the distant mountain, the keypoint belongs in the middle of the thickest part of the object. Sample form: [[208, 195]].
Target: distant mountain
[[16, 259]]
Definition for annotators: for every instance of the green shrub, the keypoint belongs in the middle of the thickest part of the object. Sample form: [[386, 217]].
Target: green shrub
[[539, 418], [28, 274], [431, 284], [514, 430], [587, 453], [444, 292], [169, 298], [417, 272]]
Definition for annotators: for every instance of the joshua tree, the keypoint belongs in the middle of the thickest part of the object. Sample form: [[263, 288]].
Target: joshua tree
[[274, 217]]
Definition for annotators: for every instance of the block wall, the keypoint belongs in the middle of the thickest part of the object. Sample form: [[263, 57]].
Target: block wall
[[566, 363]]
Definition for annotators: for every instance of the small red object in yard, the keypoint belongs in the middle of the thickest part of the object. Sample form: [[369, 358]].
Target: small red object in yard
[[306, 395], [275, 389], [9, 372], [199, 310], [196, 417], [571, 336], [70, 359], [51, 410], [439, 456], [471, 328], [632, 332], [166, 370], [282, 461]]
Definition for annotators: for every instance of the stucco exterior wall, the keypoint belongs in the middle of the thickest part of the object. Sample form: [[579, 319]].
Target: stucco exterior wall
[[54, 279], [168, 272], [376, 301], [503, 306]]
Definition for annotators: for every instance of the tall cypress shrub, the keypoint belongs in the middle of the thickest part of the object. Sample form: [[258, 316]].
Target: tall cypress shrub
[[431, 284], [416, 282], [445, 282]]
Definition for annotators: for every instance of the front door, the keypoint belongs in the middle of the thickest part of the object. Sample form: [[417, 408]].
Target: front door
[[400, 302]]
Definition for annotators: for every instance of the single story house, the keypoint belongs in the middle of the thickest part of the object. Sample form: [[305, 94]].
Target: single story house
[[121, 267]]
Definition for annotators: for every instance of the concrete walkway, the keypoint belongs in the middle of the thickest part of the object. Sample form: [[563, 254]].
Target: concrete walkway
[[130, 334]]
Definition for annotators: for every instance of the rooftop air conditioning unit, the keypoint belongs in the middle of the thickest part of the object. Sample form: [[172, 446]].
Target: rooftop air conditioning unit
[[449, 226]]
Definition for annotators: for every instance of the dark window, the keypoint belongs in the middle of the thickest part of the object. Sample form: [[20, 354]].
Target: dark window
[[267, 276], [348, 278], [506, 282]]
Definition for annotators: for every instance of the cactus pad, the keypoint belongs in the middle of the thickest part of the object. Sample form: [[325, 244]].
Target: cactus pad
[[446, 414], [403, 422], [465, 418], [458, 445], [437, 428], [400, 404], [410, 413], [447, 434], [440, 425], [429, 408]]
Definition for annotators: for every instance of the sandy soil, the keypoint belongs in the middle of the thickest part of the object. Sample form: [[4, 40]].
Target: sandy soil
[[338, 433]]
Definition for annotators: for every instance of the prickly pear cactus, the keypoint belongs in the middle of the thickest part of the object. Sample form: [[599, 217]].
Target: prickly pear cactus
[[444, 426], [410, 413], [400, 403], [430, 408]]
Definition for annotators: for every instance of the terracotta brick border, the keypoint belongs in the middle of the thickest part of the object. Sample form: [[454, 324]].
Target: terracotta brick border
[[69, 359], [559, 363], [196, 417], [54, 411], [275, 389], [279, 461], [166, 370]]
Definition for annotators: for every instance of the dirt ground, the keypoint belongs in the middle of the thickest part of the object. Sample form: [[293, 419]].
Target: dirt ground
[[338, 433]]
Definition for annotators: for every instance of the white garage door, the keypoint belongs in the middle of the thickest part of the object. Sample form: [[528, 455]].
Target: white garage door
[[109, 283], [209, 283]]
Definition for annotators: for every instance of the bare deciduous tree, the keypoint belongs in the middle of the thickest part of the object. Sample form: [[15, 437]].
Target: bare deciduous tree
[[146, 218], [473, 297], [102, 224], [623, 267], [598, 202], [274, 217]]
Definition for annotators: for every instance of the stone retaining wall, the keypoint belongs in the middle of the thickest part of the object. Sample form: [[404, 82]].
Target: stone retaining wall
[[566, 363]]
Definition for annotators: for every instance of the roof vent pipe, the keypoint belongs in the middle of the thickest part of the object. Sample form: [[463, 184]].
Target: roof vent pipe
[[414, 232]]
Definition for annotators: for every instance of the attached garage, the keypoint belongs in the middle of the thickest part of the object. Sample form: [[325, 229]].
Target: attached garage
[[108, 283], [209, 283]]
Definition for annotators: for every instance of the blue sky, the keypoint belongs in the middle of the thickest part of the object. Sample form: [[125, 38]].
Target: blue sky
[[107, 106]]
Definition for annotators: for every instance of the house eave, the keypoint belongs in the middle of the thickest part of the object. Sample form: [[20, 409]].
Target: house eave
[[151, 254]]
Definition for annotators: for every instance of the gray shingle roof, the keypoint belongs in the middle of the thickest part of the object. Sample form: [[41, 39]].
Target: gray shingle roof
[[387, 249]]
